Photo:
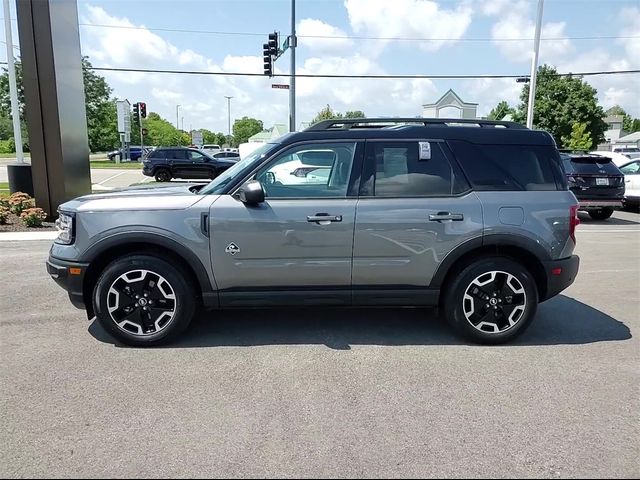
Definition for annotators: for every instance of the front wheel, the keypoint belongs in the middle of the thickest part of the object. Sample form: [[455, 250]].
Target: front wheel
[[601, 214], [143, 300], [491, 301]]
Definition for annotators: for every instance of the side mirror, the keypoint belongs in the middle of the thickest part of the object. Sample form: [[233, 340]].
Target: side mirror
[[251, 193]]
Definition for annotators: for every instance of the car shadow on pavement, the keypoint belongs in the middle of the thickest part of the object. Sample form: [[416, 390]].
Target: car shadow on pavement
[[561, 320]]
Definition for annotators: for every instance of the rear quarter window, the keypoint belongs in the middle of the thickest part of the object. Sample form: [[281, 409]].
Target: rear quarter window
[[509, 167]]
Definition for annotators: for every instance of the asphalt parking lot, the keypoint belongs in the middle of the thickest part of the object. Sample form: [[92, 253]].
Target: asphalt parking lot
[[327, 392]]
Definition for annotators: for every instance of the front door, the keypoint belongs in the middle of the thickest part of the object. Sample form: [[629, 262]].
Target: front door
[[413, 210], [296, 247]]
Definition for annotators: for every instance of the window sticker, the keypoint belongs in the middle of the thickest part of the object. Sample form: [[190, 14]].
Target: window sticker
[[425, 150]]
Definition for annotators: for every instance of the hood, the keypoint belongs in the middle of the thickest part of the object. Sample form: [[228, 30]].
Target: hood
[[167, 197]]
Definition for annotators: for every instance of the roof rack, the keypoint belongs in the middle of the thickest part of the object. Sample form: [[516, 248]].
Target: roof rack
[[348, 123]]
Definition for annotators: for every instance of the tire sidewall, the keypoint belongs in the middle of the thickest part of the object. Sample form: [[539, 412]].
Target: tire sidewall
[[453, 306], [183, 290], [163, 172]]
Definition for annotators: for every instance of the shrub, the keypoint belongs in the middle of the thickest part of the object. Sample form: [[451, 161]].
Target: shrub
[[33, 217], [18, 202], [4, 202], [4, 214]]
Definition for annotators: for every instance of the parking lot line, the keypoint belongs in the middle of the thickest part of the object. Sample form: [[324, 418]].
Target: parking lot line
[[112, 177]]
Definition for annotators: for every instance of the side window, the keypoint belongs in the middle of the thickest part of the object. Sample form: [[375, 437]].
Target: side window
[[195, 156], [307, 171], [507, 167], [410, 169], [157, 154], [177, 154], [631, 168]]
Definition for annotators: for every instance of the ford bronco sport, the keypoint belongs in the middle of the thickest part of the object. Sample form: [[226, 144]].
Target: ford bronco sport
[[471, 216]]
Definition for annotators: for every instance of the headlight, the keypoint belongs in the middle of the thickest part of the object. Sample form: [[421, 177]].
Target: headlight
[[65, 226]]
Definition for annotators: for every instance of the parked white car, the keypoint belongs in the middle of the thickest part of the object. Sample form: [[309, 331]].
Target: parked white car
[[631, 173], [617, 158], [211, 149]]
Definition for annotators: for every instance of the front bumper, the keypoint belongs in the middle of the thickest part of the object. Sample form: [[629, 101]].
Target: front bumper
[[560, 275], [70, 276], [147, 171]]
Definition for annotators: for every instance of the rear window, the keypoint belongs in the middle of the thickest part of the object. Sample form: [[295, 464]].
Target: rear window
[[508, 167], [589, 165], [156, 154]]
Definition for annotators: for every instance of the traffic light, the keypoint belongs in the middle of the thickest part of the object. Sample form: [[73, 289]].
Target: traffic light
[[136, 114], [143, 109], [273, 44], [268, 62]]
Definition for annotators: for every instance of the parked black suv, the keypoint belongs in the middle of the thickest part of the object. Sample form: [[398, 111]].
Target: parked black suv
[[178, 162], [595, 181]]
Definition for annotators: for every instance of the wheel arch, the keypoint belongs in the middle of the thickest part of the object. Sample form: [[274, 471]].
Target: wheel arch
[[521, 249], [117, 246]]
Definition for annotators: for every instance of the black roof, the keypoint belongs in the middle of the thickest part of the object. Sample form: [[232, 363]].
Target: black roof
[[474, 131]]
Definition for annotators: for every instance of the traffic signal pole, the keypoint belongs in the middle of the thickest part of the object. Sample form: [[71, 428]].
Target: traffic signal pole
[[534, 66], [292, 86]]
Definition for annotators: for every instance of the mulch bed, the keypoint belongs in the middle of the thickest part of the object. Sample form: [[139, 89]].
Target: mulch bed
[[14, 224]]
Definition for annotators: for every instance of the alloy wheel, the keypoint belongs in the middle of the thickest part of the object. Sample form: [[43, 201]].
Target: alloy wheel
[[141, 302], [494, 302]]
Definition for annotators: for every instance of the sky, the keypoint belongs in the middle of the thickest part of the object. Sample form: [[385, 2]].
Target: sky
[[429, 37]]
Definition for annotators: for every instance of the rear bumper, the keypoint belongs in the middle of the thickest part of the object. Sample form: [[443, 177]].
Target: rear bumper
[[72, 283], [560, 275], [595, 204]]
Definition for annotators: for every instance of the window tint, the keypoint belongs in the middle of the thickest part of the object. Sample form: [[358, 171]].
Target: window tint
[[631, 168], [157, 154], [396, 169], [508, 167], [177, 154], [197, 156], [306, 171]]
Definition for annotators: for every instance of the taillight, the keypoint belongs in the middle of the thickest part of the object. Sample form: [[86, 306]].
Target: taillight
[[574, 221]]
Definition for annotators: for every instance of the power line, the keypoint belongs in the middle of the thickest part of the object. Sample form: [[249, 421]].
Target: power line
[[356, 37], [315, 75]]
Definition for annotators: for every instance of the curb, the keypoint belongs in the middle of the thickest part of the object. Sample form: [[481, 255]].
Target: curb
[[26, 236]]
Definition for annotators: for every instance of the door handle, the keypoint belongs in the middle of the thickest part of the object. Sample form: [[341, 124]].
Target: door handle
[[324, 218], [440, 216]]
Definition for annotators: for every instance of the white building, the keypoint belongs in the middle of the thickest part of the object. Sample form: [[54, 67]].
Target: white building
[[450, 105]]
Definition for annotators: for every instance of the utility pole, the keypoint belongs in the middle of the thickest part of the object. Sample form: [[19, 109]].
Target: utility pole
[[534, 65], [229, 115], [177, 117], [292, 87], [13, 90]]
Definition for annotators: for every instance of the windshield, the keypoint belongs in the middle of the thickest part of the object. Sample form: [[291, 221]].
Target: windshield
[[218, 185]]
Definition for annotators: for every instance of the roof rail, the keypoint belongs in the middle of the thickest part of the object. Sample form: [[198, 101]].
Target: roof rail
[[348, 123]]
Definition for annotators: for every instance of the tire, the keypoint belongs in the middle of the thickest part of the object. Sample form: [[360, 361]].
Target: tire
[[601, 214], [213, 174], [503, 284], [163, 175], [119, 300]]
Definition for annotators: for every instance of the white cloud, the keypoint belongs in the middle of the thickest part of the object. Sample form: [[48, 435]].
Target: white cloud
[[311, 33], [410, 19], [517, 20], [202, 97]]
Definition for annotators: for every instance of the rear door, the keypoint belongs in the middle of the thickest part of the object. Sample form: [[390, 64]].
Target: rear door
[[180, 163], [414, 208]]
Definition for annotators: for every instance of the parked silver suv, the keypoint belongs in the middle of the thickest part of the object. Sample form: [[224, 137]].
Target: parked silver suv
[[472, 216]]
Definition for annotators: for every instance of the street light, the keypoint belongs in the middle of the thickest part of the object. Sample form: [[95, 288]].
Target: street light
[[229, 114], [177, 117]]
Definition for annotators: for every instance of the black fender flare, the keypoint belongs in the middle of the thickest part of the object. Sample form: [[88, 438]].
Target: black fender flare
[[486, 242]]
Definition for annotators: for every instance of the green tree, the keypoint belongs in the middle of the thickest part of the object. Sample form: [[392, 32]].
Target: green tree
[[562, 101], [221, 139], [102, 126], [500, 111], [244, 128], [326, 113], [354, 114], [162, 133], [579, 139], [629, 124]]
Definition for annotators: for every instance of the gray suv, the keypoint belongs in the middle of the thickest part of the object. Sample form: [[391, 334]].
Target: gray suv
[[473, 217]]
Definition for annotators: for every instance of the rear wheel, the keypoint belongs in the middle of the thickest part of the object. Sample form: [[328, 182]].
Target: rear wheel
[[163, 175], [143, 300], [492, 300], [601, 214]]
